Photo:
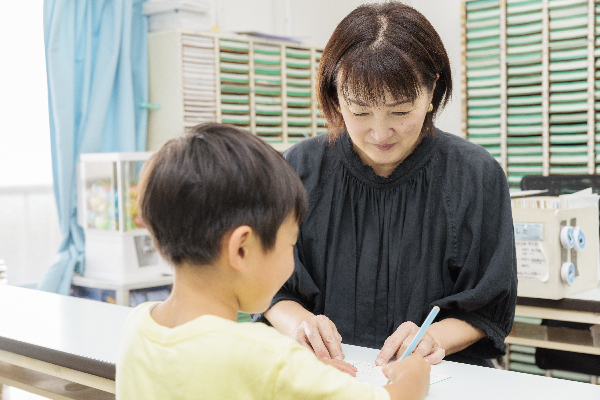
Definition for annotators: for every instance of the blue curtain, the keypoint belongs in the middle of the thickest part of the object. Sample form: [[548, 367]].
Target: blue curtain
[[97, 67]]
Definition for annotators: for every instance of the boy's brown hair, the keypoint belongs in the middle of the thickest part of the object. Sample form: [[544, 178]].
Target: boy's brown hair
[[218, 177]]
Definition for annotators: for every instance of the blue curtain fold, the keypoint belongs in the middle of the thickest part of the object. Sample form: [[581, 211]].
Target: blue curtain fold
[[97, 69]]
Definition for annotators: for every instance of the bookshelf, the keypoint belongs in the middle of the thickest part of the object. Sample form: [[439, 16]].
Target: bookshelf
[[530, 69], [265, 86]]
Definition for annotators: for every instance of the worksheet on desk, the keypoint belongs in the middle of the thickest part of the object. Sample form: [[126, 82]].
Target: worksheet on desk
[[372, 374]]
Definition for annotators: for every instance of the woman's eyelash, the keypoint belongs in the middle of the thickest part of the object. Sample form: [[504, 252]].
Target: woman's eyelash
[[394, 113]]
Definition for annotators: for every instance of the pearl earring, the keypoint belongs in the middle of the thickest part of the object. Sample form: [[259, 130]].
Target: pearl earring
[[430, 109]]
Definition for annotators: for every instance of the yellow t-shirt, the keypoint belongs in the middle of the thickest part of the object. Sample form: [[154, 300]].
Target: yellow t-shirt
[[214, 358]]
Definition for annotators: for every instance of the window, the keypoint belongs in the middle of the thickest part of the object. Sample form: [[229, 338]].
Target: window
[[25, 157]]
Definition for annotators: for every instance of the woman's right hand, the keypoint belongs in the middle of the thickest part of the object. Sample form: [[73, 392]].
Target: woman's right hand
[[316, 332], [409, 378], [321, 336]]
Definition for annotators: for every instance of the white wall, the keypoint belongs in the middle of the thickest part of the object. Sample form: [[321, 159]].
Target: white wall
[[244, 15], [445, 17], [315, 20]]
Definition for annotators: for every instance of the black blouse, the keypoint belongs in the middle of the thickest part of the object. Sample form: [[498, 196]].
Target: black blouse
[[375, 252]]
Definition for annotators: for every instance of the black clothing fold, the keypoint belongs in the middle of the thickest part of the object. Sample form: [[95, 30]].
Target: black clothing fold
[[374, 252]]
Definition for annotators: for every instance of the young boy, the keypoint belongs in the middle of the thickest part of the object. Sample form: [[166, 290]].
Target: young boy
[[223, 208]]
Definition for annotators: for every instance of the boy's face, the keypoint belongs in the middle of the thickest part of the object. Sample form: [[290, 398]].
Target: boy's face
[[270, 270]]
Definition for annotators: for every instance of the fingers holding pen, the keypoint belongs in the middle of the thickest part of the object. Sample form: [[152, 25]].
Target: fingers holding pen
[[398, 343], [393, 345]]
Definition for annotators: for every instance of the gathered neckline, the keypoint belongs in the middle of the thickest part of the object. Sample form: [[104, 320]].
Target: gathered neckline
[[404, 170]]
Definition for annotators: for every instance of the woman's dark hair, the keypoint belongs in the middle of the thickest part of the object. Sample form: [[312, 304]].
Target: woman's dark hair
[[378, 47], [198, 187]]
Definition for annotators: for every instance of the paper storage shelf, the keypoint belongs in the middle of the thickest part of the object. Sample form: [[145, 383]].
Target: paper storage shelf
[[531, 72], [264, 86]]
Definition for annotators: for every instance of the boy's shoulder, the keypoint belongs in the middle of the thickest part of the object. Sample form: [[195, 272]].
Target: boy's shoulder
[[229, 355], [207, 328]]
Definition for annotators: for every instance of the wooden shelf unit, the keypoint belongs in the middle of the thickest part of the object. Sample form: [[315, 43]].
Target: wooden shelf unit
[[532, 78], [267, 87]]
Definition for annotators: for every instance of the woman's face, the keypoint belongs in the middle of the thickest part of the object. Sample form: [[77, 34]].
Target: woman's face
[[384, 135]]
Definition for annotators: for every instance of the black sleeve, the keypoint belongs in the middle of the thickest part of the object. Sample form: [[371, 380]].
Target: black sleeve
[[483, 268]]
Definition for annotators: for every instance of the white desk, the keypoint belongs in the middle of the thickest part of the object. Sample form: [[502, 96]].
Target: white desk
[[66, 348], [471, 382], [49, 341]]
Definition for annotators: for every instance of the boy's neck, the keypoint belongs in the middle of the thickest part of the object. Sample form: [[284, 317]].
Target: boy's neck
[[197, 291]]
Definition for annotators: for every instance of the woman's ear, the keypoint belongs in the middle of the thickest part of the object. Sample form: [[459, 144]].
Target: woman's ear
[[239, 244]]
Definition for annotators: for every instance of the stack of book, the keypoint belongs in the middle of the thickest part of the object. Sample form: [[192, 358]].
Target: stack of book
[[524, 28], [264, 86], [483, 74], [568, 45]]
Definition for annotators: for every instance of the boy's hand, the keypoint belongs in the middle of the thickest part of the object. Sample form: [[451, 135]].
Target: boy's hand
[[341, 365], [398, 342], [408, 377], [321, 336]]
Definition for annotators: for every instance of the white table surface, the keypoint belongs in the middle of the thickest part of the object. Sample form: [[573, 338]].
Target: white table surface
[[92, 329], [67, 324], [473, 382]]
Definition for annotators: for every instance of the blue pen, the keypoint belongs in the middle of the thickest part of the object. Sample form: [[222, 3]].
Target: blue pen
[[417, 339]]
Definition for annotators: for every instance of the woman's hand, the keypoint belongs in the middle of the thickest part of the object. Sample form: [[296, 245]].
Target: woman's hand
[[398, 342], [321, 336], [317, 332]]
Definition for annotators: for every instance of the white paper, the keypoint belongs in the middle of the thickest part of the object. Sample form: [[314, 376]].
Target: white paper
[[373, 375]]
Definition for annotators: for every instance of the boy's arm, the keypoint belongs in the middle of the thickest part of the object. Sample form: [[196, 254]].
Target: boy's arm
[[409, 377]]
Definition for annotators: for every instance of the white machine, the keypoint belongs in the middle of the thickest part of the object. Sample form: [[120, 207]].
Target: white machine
[[557, 251], [117, 246]]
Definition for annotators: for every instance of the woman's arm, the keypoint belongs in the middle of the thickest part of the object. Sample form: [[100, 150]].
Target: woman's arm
[[286, 316], [454, 335], [317, 333]]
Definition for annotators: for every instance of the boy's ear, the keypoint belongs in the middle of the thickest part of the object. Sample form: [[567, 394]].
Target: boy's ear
[[239, 245]]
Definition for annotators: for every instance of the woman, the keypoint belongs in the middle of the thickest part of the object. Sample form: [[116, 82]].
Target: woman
[[402, 217]]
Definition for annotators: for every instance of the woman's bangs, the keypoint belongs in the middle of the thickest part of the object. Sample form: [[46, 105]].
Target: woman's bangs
[[365, 76]]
